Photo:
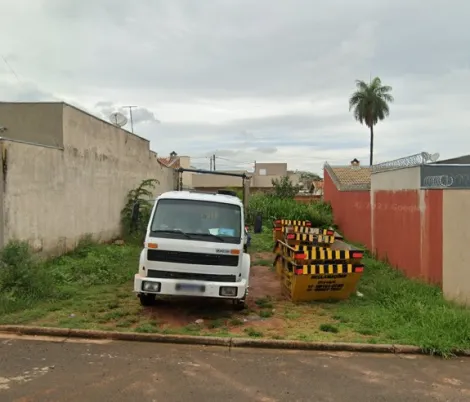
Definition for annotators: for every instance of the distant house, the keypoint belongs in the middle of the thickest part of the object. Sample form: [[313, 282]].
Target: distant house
[[350, 177], [316, 187], [260, 180], [175, 161]]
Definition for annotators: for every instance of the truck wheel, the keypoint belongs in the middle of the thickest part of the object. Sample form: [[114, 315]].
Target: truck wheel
[[239, 305], [147, 299]]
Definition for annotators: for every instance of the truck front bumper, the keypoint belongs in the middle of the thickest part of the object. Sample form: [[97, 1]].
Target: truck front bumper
[[179, 287]]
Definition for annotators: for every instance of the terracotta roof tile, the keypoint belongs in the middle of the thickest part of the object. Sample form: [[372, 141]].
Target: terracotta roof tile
[[318, 184], [352, 176], [168, 162]]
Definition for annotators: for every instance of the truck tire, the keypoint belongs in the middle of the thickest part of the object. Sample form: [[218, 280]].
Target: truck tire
[[147, 299], [239, 305]]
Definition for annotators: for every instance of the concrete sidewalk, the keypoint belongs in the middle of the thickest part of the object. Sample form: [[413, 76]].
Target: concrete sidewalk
[[39, 370]]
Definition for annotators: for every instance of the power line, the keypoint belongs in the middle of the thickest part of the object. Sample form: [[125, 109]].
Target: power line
[[232, 160]]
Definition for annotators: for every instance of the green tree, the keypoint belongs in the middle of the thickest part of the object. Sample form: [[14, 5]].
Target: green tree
[[283, 188], [304, 175], [370, 103]]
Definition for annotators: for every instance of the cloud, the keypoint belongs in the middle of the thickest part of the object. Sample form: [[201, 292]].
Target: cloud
[[266, 150], [266, 80]]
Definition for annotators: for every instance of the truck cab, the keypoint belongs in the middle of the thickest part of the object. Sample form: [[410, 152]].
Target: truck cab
[[194, 246]]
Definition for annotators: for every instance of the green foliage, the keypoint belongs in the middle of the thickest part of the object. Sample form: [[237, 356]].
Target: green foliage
[[304, 175], [26, 280], [21, 274], [370, 102], [94, 264], [406, 311], [329, 328], [238, 191], [143, 195], [271, 207], [283, 188]]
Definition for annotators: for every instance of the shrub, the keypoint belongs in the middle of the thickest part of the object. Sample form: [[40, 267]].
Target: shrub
[[135, 226], [22, 276], [284, 188], [271, 207]]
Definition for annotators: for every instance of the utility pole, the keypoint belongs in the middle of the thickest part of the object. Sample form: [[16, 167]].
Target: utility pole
[[213, 156], [254, 170], [130, 114], [211, 163]]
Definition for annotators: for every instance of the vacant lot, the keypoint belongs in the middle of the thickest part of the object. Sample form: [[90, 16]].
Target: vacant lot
[[392, 309]]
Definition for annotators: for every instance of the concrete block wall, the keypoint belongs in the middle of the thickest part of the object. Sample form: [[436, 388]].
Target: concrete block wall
[[52, 196]]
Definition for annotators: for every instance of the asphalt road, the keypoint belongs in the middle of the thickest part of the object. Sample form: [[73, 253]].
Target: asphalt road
[[100, 371]]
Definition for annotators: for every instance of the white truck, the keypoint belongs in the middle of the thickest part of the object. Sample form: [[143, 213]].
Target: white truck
[[195, 246]]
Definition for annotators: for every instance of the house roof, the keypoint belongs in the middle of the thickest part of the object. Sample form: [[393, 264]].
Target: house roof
[[318, 184], [464, 159], [352, 176], [169, 162]]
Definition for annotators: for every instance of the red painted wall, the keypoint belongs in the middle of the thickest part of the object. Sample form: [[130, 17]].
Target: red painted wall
[[432, 237], [351, 210], [410, 238], [397, 229]]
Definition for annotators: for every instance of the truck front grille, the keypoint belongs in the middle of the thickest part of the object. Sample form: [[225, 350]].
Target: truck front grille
[[190, 276], [180, 257]]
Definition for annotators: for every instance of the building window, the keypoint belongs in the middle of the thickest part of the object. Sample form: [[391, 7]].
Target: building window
[[262, 172]]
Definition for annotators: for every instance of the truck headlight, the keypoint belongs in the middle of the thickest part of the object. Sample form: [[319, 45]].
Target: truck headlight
[[151, 286], [228, 291]]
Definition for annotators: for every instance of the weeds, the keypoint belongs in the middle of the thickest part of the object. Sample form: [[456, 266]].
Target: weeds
[[406, 311], [329, 328], [26, 280], [264, 302], [253, 332], [271, 207], [266, 313]]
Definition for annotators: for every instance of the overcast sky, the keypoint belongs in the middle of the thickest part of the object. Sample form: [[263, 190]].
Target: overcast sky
[[264, 80]]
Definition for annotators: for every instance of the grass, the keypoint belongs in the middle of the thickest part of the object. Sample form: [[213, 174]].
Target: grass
[[393, 309], [87, 282], [406, 311], [91, 288]]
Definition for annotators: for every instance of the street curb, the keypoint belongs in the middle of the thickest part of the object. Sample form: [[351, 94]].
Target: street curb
[[217, 341]]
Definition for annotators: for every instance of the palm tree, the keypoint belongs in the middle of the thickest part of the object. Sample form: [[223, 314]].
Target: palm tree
[[370, 104]]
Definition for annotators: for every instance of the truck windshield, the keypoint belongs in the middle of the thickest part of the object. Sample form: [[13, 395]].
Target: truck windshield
[[198, 220]]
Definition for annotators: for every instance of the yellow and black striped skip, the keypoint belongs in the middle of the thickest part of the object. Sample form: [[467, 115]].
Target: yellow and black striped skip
[[310, 238], [321, 253], [326, 269], [307, 230], [285, 222]]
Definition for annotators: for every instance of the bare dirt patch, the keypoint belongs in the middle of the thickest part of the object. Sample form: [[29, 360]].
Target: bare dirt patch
[[263, 283]]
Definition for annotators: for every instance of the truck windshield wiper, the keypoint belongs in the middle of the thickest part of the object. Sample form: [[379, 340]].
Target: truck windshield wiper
[[173, 231], [208, 234]]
